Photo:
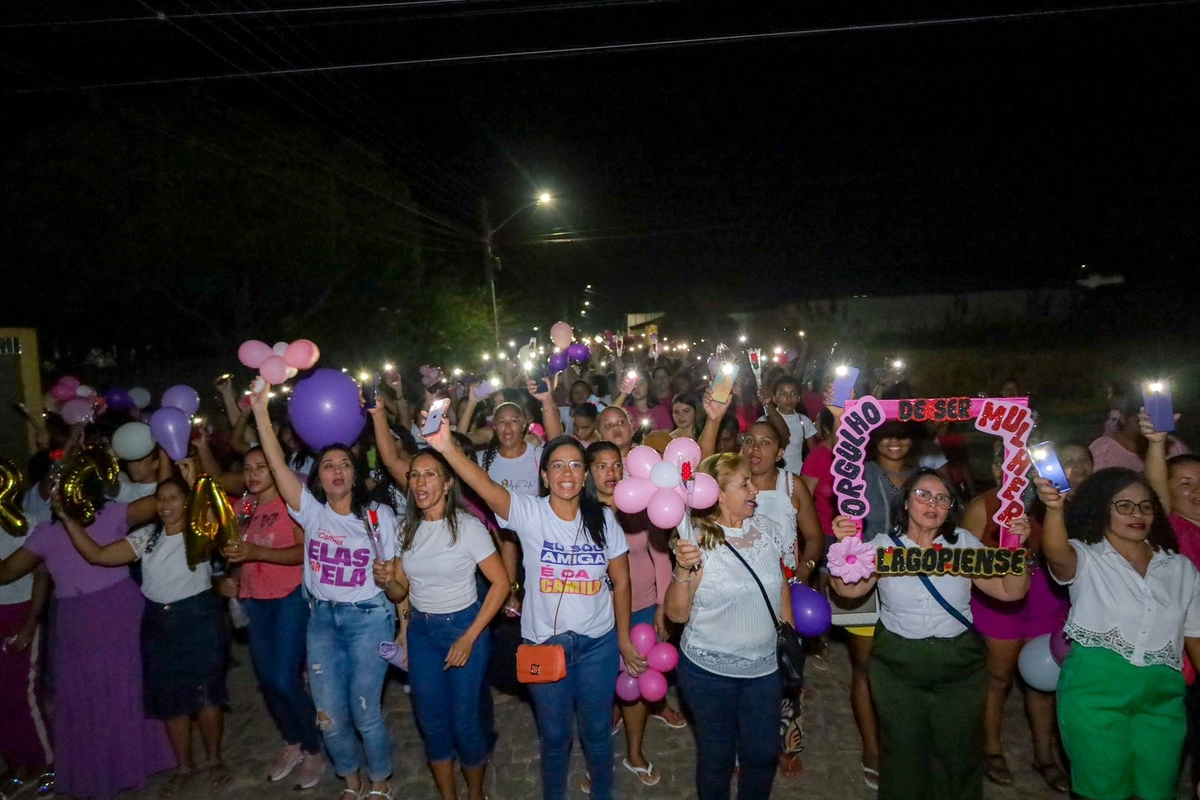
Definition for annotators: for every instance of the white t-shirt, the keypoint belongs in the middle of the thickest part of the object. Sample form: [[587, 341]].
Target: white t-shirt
[[906, 608], [339, 550], [442, 575], [518, 474], [36, 509], [1144, 620], [800, 428], [165, 574], [128, 492], [568, 422], [20, 590], [562, 564]]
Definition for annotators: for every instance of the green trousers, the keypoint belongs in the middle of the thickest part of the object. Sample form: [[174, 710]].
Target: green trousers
[[929, 696], [1122, 726]]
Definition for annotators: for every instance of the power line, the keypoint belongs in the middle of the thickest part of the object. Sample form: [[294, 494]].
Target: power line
[[627, 47]]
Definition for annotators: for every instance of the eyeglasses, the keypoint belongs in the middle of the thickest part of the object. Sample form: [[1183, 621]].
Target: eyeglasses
[[428, 475], [559, 466], [1126, 508], [930, 499]]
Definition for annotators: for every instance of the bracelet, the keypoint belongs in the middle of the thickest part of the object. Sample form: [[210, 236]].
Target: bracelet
[[677, 579]]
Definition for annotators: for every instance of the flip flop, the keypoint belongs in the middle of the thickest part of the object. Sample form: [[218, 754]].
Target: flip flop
[[871, 778], [645, 774], [1054, 777], [996, 769]]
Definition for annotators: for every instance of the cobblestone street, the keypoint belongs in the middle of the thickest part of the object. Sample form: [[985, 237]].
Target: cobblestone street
[[831, 759]]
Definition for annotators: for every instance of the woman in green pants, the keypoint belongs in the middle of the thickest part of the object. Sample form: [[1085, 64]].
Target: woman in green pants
[[928, 672]]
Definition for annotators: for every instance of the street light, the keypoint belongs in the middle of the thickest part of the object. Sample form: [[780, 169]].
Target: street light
[[492, 261]]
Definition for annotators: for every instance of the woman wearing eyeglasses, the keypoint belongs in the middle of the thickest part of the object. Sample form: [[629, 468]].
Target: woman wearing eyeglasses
[[1135, 608], [928, 673]]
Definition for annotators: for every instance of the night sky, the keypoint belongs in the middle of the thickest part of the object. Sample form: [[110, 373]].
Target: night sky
[[982, 154]]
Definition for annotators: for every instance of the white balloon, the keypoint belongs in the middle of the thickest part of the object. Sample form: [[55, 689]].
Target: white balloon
[[84, 391], [280, 348], [133, 441], [664, 475], [140, 396]]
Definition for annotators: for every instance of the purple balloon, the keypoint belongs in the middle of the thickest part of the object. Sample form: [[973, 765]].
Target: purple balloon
[[324, 409], [811, 610], [578, 352], [182, 397], [1060, 646], [118, 400], [643, 637], [171, 430], [627, 687], [558, 361]]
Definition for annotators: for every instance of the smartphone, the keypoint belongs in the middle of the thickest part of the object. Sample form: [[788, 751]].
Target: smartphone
[[723, 383], [433, 421], [843, 387], [1045, 460], [1157, 399], [631, 379], [486, 389], [370, 389], [543, 385]]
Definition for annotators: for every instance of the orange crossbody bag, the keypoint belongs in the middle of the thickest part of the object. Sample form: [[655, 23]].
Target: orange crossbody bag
[[545, 663]]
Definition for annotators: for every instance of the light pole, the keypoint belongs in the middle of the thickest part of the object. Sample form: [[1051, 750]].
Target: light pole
[[492, 261]]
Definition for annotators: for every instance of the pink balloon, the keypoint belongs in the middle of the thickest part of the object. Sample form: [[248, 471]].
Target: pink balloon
[[682, 450], [632, 494], [302, 354], [274, 369], [280, 348], [62, 392], [561, 334], [705, 491], [652, 685], [641, 460], [252, 353], [70, 380], [628, 688], [643, 637], [77, 410], [663, 657], [666, 508]]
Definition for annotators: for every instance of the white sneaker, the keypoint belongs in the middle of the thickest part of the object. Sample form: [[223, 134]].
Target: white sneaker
[[285, 762], [311, 769]]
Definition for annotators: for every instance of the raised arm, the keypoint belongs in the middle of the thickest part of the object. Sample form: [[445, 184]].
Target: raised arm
[[233, 483], [496, 496], [396, 461], [1060, 556], [110, 555], [403, 413], [772, 414], [1156, 460], [714, 412], [285, 480], [551, 422]]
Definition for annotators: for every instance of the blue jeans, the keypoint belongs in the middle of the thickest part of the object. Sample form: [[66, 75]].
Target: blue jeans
[[588, 691], [346, 672], [735, 718], [277, 633], [447, 701]]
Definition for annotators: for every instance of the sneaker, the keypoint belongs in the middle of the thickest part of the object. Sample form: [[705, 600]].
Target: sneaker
[[285, 762], [312, 766]]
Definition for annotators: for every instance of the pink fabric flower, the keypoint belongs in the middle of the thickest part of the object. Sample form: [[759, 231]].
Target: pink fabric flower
[[852, 560]]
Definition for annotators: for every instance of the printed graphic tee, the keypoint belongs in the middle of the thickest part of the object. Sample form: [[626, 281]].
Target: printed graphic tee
[[339, 550]]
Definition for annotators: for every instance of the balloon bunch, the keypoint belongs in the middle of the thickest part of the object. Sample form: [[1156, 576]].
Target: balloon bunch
[[74, 401], [661, 657], [12, 493], [663, 486], [562, 335], [95, 469], [171, 424], [431, 376], [277, 364]]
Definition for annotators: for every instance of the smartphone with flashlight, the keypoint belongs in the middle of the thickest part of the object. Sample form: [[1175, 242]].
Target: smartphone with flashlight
[[843, 386], [723, 384], [631, 379], [1156, 398], [1045, 460], [370, 389], [433, 421]]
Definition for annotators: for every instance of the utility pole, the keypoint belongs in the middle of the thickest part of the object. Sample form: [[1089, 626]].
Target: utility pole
[[490, 266]]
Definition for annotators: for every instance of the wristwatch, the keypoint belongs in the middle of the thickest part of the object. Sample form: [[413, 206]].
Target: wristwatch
[[514, 588]]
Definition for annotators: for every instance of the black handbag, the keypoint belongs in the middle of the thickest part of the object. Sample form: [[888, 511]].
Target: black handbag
[[789, 648]]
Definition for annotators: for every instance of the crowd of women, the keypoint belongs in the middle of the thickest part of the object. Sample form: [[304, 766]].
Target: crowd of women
[[444, 553]]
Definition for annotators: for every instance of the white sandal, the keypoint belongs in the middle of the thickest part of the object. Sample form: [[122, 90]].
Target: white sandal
[[652, 778]]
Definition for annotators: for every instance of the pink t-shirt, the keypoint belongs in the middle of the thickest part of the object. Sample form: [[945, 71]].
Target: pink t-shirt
[[817, 465], [1107, 452], [72, 575], [1188, 534], [659, 416], [270, 526], [649, 571]]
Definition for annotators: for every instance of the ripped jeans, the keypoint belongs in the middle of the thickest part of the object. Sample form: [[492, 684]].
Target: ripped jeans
[[346, 674]]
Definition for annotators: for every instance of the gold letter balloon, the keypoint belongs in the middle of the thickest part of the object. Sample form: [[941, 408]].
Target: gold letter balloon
[[210, 521], [12, 491], [85, 480]]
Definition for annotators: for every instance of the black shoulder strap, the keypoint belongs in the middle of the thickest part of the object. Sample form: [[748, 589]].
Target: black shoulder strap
[[753, 574], [941, 601]]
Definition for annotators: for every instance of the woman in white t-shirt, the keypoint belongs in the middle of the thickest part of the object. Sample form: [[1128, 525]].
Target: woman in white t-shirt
[[440, 545], [573, 548], [728, 671], [344, 532], [183, 633]]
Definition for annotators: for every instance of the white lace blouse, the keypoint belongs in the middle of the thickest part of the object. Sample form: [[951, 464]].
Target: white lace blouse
[[730, 631], [1143, 619]]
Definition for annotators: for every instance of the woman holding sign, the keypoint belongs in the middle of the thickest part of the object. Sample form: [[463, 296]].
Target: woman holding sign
[[344, 532], [928, 673]]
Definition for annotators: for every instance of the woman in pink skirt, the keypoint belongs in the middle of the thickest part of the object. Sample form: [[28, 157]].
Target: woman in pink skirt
[[1006, 628], [103, 744]]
